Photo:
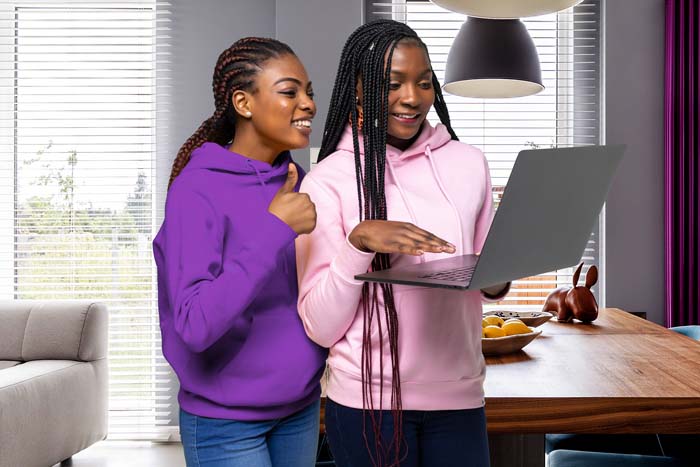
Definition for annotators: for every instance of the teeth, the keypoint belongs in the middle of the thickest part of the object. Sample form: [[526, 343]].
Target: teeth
[[302, 123], [406, 115]]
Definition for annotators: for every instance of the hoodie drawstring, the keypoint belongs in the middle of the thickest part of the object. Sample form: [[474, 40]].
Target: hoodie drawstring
[[403, 197], [257, 172], [429, 153]]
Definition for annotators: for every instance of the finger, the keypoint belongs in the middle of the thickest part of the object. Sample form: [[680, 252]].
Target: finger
[[291, 182], [427, 238]]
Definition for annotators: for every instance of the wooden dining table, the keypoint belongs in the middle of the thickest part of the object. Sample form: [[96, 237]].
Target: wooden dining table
[[618, 374]]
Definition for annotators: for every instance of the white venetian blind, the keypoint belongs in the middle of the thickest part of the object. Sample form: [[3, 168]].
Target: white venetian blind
[[566, 113], [77, 148]]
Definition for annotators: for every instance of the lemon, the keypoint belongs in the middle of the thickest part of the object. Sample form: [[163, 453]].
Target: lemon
[[513, 320], [492, 320], [492, 331], [515, 327]]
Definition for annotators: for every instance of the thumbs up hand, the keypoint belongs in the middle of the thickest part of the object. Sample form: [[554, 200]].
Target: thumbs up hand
[[294, 209]]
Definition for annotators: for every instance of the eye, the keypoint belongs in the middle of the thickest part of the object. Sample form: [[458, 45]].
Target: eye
[[394, 86], [290, 93], [425, 84], [310, 93]]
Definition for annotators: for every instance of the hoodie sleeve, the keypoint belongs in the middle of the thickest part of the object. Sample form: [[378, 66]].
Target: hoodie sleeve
[[483, 224], [208, 294], [326, 265]]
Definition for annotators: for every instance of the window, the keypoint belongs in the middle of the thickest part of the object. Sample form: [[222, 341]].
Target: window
[[566, 113], [77, 164]]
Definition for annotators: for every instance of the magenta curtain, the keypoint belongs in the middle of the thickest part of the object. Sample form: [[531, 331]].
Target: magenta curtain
[[682, 214]]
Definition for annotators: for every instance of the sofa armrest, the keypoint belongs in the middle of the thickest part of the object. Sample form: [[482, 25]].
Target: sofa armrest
[[58, 330]]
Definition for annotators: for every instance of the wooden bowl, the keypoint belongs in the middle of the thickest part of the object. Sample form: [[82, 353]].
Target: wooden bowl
[[507, 344], [529, 318]]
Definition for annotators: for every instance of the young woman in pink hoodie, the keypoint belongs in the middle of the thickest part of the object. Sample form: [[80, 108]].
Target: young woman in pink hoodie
[[405, 370]]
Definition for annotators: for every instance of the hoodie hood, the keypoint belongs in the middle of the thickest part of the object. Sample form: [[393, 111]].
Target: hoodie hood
[[212, 156], [430, 138]]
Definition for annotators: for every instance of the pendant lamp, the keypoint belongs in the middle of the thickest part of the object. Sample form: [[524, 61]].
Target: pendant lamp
[[493, 58], [506, 9]]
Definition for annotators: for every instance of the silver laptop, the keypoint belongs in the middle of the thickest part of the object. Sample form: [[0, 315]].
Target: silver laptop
[[545, 218]]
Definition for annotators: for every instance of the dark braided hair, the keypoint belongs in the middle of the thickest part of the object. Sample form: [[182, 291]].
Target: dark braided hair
[[363, 58], [235, 70]]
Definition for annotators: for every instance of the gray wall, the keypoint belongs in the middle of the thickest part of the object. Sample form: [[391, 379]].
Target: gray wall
[[316, 30], [634, 92]]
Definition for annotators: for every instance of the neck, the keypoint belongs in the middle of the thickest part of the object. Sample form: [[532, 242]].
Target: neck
[[248, 143], [401, 144]]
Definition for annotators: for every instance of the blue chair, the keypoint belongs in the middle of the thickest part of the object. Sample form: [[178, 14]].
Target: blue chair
[[692, 331], [566, 458]]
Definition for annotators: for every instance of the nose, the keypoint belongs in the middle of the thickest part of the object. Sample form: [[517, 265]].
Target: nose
[[307, 104], [410, 96]]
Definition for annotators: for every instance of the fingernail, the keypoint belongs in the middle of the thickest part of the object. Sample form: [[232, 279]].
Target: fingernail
[[419, 252]]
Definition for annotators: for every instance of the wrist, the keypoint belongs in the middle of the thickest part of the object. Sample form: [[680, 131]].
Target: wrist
[[356, 239]]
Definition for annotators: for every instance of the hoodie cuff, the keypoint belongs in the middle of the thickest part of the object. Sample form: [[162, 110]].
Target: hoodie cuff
[[350, 261], [495, 298]]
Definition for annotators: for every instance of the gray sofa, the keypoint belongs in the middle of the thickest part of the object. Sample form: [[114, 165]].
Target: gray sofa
[[53, 380]]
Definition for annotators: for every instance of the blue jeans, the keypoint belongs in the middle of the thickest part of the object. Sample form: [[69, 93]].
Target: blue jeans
[[441, 438], [284, 442]]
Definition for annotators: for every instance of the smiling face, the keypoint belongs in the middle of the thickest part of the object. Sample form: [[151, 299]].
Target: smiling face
[[411, 93], [280, 107]]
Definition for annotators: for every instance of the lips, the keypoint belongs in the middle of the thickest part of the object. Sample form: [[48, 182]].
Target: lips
[[406, 118], [303, 125]]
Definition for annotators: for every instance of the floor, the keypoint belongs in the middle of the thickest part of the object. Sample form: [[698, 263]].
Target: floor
[[132, 454]]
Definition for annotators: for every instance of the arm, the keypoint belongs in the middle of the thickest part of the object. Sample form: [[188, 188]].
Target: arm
[[496, 292], [326, 266], [208, 293]]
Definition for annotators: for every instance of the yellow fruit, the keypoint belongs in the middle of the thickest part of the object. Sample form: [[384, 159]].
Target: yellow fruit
[[492, 321], [492, 331], [513, 320], [514, 327]]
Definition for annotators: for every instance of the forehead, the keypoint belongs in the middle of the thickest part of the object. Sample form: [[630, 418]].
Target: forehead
[[284, 66], [409, 57]]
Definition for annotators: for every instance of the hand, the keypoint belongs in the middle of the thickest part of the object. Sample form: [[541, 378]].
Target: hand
[[496, 290], [396, 237], [294, 209]]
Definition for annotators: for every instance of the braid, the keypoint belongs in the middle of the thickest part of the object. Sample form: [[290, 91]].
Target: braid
[[236, 69], [363, 57]]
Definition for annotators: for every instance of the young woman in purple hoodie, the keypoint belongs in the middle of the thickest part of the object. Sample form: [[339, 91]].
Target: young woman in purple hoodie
[[227, 289]]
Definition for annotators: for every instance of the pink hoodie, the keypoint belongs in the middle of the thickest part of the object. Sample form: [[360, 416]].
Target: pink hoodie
[[442, 186]]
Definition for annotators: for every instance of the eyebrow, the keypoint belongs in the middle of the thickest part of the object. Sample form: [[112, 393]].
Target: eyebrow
[[294, 80], [401, 73]]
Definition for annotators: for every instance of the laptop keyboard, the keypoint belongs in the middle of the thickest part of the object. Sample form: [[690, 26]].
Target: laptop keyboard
[[457, 274]]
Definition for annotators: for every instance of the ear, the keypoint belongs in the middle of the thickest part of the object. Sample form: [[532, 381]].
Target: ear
[[242, 103], [591, 276], [577, 273]]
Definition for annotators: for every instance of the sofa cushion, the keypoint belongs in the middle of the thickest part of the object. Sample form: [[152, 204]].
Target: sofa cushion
[[13, 322], [8, 364], [66, 330]]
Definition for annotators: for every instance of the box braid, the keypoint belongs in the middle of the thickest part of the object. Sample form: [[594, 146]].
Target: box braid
[[235, 69], [363, 57]]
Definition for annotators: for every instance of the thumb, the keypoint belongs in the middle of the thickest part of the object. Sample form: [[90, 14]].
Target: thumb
[[291, 182]]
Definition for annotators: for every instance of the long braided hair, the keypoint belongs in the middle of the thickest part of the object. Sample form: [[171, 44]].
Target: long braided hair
[[363, 58], [235, 70]]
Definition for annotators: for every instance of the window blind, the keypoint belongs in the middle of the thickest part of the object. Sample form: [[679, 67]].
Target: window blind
[[567, 113], [77, 150]]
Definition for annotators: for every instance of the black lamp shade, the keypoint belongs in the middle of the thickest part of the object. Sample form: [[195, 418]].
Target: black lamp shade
[[493, 58]]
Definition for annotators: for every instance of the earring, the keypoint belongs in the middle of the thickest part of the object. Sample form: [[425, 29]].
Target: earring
[[360, 116], [248, 114]]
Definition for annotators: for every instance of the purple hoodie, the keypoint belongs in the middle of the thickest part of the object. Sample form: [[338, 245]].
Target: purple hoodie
[[227, 291]]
